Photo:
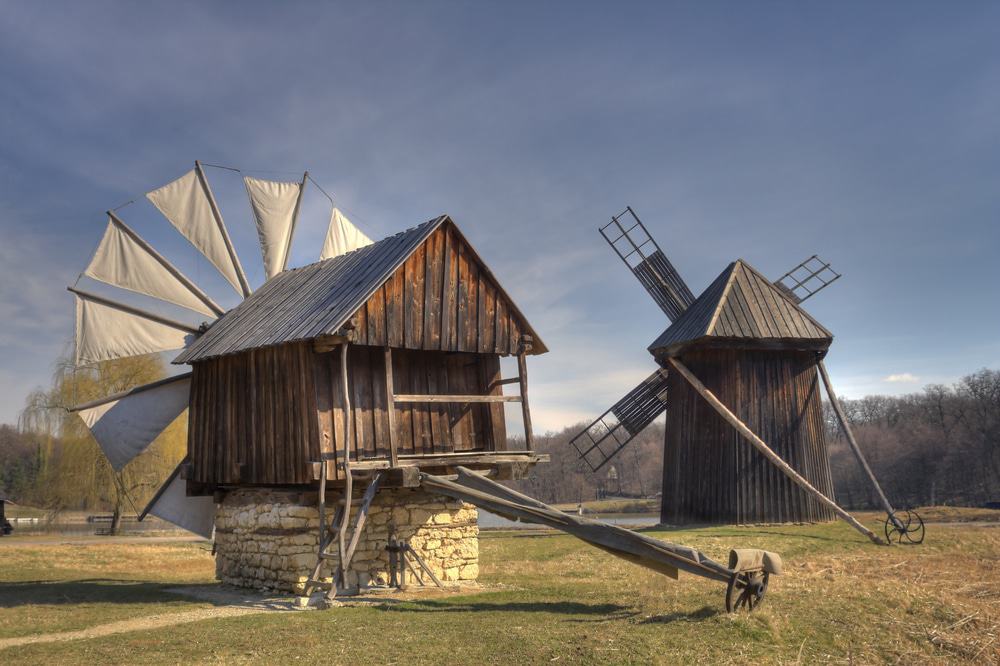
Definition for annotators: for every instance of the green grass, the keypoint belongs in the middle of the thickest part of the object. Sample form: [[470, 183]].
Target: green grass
[[552, 599]]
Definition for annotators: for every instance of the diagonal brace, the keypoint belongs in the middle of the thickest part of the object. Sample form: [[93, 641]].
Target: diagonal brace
[[761, 446]]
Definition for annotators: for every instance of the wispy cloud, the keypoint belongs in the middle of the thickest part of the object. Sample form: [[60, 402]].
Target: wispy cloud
[[901, 378]]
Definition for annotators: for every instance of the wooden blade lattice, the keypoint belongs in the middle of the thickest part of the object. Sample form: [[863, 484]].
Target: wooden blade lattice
[[614, 429], [628, 237]]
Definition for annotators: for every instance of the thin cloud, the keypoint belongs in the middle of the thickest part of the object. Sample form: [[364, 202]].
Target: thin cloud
[[902, 378]]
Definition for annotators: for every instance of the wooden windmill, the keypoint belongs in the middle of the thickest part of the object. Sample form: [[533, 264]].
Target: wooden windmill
[[740, 363]]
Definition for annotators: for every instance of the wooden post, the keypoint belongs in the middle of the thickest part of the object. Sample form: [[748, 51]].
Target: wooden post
[[761, 446], [838, 410], [522, 377], [348, 477], [240, 275], [295, 219], [391, 409]]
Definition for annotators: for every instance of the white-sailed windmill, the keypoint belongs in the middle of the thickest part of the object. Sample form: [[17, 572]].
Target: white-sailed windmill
[[152, 315]]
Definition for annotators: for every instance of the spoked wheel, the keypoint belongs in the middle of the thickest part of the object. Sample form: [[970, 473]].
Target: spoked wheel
[[746, 590], [905, 527]]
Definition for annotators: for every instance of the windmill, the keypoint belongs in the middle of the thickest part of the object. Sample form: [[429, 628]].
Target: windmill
[[739, 364], [132, 301]]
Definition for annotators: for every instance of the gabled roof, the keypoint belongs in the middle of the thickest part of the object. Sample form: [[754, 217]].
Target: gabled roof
[[742, 306], [318, 299]]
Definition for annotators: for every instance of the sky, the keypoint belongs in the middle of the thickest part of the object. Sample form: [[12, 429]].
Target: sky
[[868, 133]]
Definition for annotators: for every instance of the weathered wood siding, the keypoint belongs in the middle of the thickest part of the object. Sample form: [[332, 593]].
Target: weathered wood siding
[[441, 299], [261, 417], [252, 417], [420, 429], [710, 474]]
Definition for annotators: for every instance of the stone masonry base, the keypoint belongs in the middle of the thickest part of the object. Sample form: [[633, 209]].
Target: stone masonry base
[[267, 539]]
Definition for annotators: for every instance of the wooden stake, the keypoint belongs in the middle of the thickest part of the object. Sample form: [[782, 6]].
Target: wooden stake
[[761, 446], [348, 477], [838, 410]]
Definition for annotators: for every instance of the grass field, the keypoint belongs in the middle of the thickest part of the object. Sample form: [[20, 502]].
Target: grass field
[[544, 599]]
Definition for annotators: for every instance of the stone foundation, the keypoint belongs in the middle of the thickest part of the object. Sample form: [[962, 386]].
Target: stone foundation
[[267, 539]]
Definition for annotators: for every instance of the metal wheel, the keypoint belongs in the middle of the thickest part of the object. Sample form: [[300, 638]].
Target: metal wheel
[[904, 527], [746, 590]]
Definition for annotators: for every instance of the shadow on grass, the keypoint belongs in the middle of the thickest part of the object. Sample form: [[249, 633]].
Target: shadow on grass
[[703, 613], [606, 611], [90, 590]]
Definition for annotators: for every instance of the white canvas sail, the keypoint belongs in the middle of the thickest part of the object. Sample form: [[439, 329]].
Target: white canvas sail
[[125, 427], [342, 237], [186, 204], [123, 262], [104, 333], [275, 205], [172, 504]]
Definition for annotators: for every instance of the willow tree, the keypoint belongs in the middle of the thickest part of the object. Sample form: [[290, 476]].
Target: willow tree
[[74, 472]]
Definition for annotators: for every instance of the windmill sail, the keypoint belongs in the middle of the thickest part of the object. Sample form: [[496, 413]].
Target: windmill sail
[[188, 204], [601, 441], [106, 331], [342, 237], [633, 244], [275, 208], [124, 260], [172, 504], [124, 425]]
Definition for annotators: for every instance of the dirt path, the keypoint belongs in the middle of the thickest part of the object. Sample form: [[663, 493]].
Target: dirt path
[[229, 603]]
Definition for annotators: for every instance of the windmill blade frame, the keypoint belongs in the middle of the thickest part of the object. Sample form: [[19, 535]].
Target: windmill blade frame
[[622, 421], [653, 270], [807, 279]]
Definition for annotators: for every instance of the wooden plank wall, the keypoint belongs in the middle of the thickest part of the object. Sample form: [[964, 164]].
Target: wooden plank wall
[[440, 299], [253, 417], [710, 474], [421, 429], [263, 416]]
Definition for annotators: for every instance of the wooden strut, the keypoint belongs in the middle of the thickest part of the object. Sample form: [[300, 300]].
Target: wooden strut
[[842, 418], [169, 267], [240, 275], [761, 446], [295, 220]]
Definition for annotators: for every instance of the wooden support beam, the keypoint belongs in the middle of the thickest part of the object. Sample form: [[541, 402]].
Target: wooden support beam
[[362, 516], [341, 578], [410, 397], [449, 459], [761, 446], [522, 376], [391, 409], [328, 343], [842, 418]]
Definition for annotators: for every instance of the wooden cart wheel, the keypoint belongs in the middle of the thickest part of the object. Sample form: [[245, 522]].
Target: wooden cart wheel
[[746, 590], [904, 527]]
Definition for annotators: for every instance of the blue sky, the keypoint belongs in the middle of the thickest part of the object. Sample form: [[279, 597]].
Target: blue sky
[[869, 134]]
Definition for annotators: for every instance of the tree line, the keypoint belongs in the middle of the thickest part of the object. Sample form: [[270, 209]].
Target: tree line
[[938, 446]]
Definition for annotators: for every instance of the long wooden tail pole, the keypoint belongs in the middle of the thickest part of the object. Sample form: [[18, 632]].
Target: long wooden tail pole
[[842, 418], [348, 485], [761, 446]]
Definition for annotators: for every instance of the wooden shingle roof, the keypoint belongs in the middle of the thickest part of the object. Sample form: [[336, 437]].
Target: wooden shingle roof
[[743, 307], [316, 300]]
